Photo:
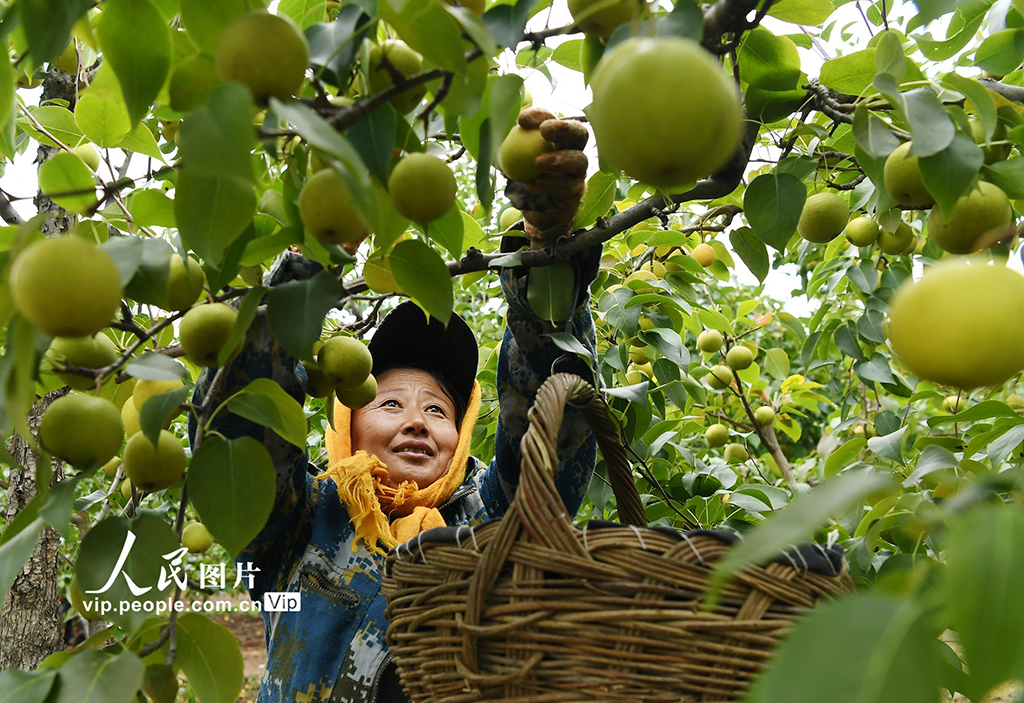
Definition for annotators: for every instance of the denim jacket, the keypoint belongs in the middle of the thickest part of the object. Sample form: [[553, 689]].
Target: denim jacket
[[333, 649]]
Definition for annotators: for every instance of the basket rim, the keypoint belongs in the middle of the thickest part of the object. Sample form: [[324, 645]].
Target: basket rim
[[804, 557]]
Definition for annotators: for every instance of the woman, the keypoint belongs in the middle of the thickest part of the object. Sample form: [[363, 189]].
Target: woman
[[400, 465]]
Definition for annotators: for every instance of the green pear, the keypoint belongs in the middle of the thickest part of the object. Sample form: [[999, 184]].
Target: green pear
[[764, 415], [91, 352], [328, 211], [895, 243], [739, 358], [721, 377], [204, 332], [422, 187], [154, 467], [402, 59], [717, 435], [518, 153], [903, 178], [266, 53], [81, 429], [346, 361], [359, 396], [979, 219], [196, 537], [710, 341], [862, 231], [823, 218], [184, 282], [736, 453]]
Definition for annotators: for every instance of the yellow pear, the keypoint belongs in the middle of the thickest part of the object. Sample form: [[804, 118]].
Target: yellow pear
[[154, 467], [78, 601], [90, 352], [204, 332], [327, 209], [961, 325], [764, 415], [992, 152], [664, 111], [954, 404], [519, 152], [87, 153], [144, 390], [717, 435], [266, 53], [359, 396], [184, 282], [81, 429], [66, 286], [130, 418], [736, 453], [509, 216], [862, 231], [739, 358], [896, 242], [406, 62], [704, 255], [600, 18], [1016, 402], [346, 361], [710, 341], [979, 219], [721, 377], [422, 187], [823, 218], [110, 468], [196, 538], [903, 178]]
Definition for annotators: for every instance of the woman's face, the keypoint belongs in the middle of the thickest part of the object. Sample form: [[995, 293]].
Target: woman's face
[[410, 426]]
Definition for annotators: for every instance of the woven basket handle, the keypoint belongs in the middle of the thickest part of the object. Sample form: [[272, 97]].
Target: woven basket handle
[[537, 498]]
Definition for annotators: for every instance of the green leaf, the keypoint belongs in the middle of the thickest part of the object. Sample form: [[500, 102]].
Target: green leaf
[[507, 22], [950, 173], [215, 200], [151, 208], [889, 56], [264, 402], [321, 136], [984, 570], [206, 19], [889, 446], [885, 644], [156, 367], [447, 230], [100, 552], [597, 200], [136, 40], [374, 139], [192, 79], [568, 54], [47, 25], [296, 311], [798, 520], [102, 117], [773, 203], [1000, 448], [246, 314], [420, 272], [685, 20], [18, 686], [504, 100], [846, 340], [851, 73], [776, 363], [304, 12], [872, 135], [1008, 175], [149, 282], [566, 342], [670, 344], [1001, 52], [984, 410], [843, 455], [63, 178], [933, 9], [141, 141], [979, 95], [232, 485], [333, 46], [549, 291], [940, 50], [209, 656], [932, 458], [805, 12], [428, 29], [931, 128], [158, 409], [97, 677], [769, 62], [874, 370], [751, 251], [57, 120]]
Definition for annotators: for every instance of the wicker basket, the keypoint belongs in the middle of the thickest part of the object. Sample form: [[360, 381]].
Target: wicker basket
[[532, 608]]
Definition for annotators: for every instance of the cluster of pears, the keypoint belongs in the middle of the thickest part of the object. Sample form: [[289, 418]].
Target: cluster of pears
[[978, 219], [86, 430], [961, 324], [717, 435], [343, 366], [739, 357], [826, 215]]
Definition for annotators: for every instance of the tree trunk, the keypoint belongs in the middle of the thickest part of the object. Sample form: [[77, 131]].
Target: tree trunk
[[30, 623]]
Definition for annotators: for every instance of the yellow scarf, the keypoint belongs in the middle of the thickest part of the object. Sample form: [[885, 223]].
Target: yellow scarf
[[362, 484]]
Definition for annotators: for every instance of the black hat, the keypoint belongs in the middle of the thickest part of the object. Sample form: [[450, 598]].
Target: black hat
[[405, 338]]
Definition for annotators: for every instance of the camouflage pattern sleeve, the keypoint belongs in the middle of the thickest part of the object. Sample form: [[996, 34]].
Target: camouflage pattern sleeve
[[288, 528], [524, 363]]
